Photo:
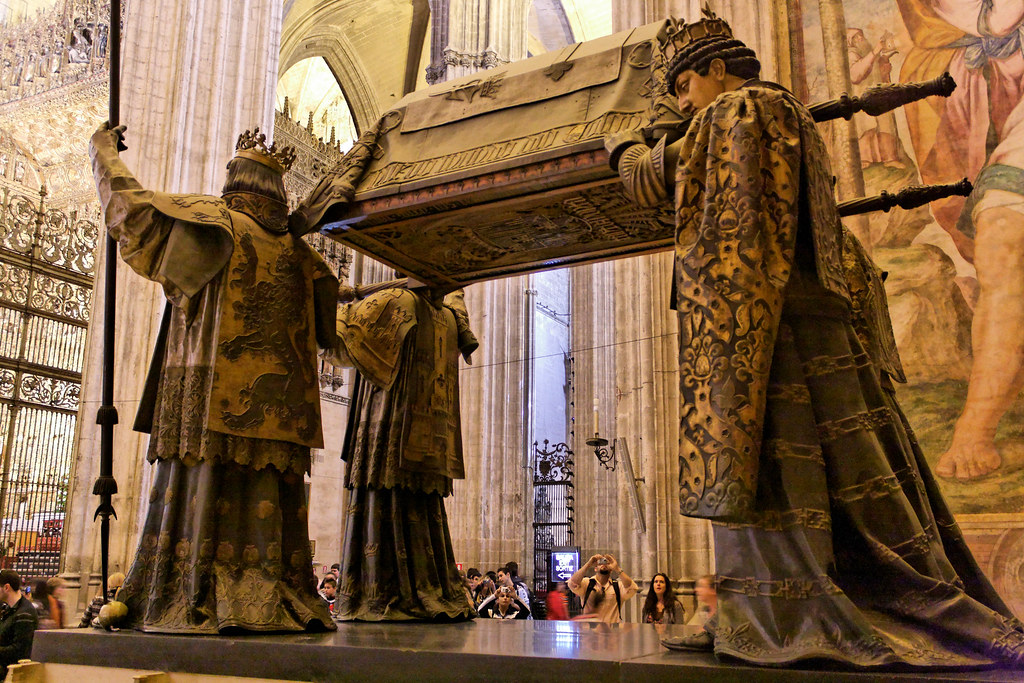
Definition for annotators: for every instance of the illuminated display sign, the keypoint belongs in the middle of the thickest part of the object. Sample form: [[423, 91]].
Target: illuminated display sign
[[563, 563]]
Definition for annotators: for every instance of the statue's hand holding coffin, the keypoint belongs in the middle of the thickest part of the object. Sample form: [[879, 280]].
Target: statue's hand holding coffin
[[617, 143], [647, 172]]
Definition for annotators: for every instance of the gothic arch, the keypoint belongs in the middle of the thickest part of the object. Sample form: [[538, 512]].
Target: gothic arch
[[346, 66], [373, 48]]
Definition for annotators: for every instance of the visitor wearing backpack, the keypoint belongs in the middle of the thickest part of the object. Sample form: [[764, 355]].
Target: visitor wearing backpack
[[601, 595]]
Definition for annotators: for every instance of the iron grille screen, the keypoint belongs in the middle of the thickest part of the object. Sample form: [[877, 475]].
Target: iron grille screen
[[553, 503], [46, 273]]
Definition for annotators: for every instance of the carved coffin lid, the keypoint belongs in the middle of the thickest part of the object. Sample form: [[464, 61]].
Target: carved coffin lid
[[505, 172]]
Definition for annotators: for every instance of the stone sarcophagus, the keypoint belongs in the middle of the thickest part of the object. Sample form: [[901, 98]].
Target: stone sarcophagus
[[505, 171]]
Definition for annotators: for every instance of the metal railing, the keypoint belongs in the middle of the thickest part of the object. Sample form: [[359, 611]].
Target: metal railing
[[46, 272]]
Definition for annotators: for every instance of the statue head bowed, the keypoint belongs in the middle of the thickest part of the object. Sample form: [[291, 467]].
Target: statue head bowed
[[692, 47]]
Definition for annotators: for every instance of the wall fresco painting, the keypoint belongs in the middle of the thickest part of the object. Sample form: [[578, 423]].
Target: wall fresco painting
[[955, 276]]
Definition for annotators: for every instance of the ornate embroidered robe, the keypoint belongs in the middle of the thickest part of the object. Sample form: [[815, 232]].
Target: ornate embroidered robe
[[831, 537], [743, 188], [233, 408], [403, 449]]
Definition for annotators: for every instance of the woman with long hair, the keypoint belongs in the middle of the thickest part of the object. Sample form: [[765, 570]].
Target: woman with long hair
[[40, 597], [661, 606]]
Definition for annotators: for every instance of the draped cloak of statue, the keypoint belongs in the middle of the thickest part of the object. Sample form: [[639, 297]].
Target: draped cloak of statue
[[403, 449], [831, 537], [232, 404]]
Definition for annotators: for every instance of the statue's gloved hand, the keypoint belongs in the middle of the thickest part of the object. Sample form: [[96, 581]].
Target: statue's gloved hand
[[617, 143], [107, 137]]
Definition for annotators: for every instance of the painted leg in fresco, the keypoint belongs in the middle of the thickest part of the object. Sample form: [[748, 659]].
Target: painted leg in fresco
[[997, 375]]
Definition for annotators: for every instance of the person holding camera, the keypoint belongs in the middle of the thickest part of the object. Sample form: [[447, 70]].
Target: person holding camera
[[601, 595]]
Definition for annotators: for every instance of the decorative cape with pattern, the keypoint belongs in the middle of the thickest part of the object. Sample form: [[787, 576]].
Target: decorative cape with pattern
[[275, 291], [745, 192], [407, 343]]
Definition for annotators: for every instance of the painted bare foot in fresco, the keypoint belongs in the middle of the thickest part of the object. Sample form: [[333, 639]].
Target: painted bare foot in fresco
[[997, 374], [970, 462]]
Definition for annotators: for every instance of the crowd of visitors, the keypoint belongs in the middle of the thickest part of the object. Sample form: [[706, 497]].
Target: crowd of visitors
[[504, 604], [485, 590], [502, 594]]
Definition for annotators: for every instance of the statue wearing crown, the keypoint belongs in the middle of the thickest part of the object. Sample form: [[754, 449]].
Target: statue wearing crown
[[831, 539], [232, 397]]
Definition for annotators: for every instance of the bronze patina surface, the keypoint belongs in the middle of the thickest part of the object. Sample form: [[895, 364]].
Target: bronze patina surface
[[505, 172]]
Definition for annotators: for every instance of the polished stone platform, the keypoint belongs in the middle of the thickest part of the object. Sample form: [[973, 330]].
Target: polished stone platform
[[482, 650]]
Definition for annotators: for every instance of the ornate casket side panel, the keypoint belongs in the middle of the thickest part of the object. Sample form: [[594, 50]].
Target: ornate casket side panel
[[505, 172]]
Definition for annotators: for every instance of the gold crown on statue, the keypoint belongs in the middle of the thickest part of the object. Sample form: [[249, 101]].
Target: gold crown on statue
[[252, 145], [676, 34]]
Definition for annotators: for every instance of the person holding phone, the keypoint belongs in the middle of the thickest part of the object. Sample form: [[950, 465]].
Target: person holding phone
[[601, 595]]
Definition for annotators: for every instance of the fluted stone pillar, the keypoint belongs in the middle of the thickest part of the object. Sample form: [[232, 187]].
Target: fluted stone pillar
[[845, 150], [195, 74], [636, 379], [629, 13], [758, 27], [602, 511], [488, 510], [491, 506], [470, 35]]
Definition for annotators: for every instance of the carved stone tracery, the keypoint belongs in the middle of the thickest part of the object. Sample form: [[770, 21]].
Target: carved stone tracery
[[60, 45], [313, 157]]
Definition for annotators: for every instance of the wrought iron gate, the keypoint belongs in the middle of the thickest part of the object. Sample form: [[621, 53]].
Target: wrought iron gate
[[46, 273], [553, 502]]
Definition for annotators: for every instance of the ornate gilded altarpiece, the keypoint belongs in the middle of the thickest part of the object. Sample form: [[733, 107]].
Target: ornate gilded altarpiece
[[53, 92]]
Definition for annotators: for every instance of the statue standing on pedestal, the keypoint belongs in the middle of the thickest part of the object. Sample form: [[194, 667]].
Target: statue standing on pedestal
[[232, 399], [831, 539], [403, 450]]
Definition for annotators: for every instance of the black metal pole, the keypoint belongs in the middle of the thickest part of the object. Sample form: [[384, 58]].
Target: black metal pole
[[105, 486]]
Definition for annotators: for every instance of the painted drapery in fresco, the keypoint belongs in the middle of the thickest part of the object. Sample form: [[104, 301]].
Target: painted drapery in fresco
[[953, 284]]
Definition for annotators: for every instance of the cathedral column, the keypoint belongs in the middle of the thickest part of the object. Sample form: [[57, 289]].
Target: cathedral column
[[196, 73], [470, 35], [644, 399], [629, 13], [845, 151], [490, 507]]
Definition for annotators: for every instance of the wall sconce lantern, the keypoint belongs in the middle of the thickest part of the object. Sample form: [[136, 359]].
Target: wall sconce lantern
[[605, 453], [608, 459]]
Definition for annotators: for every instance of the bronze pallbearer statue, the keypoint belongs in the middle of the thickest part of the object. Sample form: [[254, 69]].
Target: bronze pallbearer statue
[[831, 538], [233, 403], [403, 451]]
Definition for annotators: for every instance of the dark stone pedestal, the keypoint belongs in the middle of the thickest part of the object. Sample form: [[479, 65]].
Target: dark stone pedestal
[[482, 650]]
